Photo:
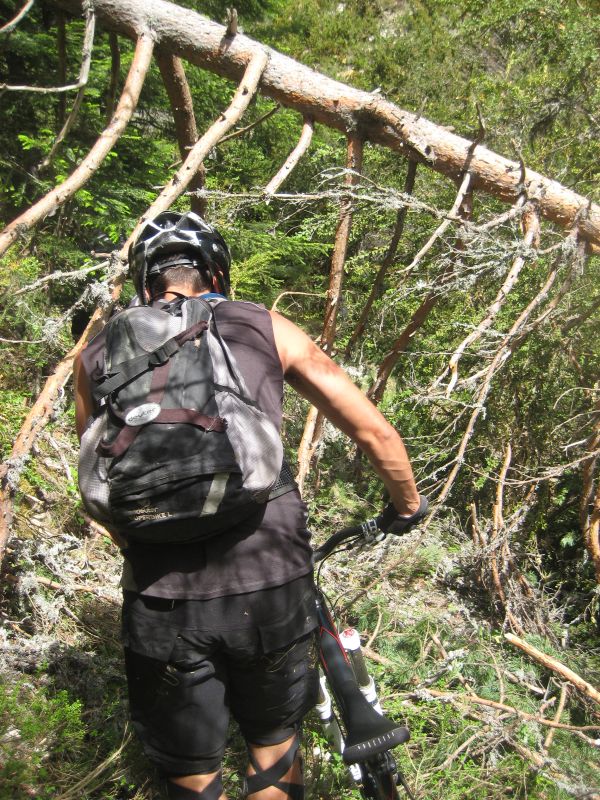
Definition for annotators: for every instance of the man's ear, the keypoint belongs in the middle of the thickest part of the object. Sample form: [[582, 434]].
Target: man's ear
[[218, 282]]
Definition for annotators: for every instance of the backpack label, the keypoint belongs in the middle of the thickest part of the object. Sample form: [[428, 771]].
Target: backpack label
[[140, 415]]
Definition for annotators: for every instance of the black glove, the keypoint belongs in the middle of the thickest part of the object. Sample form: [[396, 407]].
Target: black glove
[[392, 522]]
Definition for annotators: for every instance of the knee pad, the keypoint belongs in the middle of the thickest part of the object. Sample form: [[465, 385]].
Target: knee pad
[[213, 791]]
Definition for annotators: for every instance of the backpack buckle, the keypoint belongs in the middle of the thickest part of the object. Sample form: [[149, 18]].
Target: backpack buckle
[[162, 354]]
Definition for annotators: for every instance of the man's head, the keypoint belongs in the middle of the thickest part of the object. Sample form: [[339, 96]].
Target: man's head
[[179, 250]]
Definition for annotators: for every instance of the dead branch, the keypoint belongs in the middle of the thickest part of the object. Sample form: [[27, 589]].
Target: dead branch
[[203, 42], [497, 524], [84, 71], [115, 69], [482, 701], [532, 228], [294, 157], [589, 519], [239, 103], [564, 692], [63, 192], [551, 663], [314, 420], [506, 348], [75, 274], [375, 392], [443, 227], [10, 26], [232, 23], [377, 288], [182, 107], [286, 294], [241, 131]]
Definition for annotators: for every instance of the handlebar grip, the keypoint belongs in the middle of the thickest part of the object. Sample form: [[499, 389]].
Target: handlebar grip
[[391, 522]]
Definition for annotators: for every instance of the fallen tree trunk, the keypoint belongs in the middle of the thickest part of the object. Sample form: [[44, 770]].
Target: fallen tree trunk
[[199, 40]]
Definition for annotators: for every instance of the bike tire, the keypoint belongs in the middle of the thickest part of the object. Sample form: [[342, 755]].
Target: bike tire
[[377, 786]]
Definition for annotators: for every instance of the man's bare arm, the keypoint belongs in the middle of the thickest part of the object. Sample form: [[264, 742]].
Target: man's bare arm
[[321, 381], [83, 398]]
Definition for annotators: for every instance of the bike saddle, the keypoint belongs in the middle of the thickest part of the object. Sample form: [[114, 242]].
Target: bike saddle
[[367, 732]]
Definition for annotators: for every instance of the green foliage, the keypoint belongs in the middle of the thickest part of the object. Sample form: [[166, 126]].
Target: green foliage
[[39, 729]]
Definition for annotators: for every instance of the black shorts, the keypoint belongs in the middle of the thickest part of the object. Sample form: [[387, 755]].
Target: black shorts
[[190, 663]]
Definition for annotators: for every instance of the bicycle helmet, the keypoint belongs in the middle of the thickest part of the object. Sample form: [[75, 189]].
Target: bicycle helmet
[[174, 233]]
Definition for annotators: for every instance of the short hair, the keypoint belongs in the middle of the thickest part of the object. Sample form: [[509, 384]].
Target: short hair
[[188, 278]]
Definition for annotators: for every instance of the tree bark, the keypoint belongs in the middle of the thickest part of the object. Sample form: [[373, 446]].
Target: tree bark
[[205, 43], [180, 98]]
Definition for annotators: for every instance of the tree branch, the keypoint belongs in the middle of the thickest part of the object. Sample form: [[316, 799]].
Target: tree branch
[[314, 420], [182, 107], [552, 663], [203, 42], [506, 348], [293, 158], [377, 288], [115, 69], [84, 71], [60, 194], [10, 26], [532, 228]]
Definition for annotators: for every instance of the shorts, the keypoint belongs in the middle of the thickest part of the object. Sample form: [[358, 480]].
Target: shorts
[[192, 663]]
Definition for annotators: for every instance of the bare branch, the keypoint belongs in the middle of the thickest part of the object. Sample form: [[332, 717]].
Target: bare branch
[[441, 229], [115, 68], [314, 420], [293, 158], [377, 287], [506, 348], [420, 315], [84, 71], [10, 26], [532, 227], [63, 192], [251, 126], [241, 99], [552, 663], [182, 107]]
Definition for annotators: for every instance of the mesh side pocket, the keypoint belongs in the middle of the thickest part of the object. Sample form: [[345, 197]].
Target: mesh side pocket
[[92, 472], [255, 441]]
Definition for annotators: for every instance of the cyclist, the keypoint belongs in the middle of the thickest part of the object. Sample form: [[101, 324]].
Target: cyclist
[[225, 625]]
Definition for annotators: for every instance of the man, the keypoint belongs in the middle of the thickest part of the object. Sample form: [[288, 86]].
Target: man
[[224, 625]]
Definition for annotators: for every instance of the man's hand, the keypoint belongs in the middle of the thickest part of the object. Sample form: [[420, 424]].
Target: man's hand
[[392, 522]]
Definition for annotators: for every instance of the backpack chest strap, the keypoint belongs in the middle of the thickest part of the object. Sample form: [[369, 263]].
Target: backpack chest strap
[[127, 371]]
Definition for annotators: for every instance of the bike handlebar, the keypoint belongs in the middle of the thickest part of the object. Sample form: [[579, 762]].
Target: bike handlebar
[[373, 530], [368, 531]]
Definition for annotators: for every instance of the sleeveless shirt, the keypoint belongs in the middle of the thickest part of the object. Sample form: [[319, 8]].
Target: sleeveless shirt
[[271, 547]]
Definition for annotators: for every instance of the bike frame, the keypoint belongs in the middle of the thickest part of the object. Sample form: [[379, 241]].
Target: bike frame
[[368, 737]]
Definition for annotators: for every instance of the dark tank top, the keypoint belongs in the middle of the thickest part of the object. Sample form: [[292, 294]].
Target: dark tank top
[[269, 548]]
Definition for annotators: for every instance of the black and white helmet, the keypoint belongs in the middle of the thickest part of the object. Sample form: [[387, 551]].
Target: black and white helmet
[[171, 232]]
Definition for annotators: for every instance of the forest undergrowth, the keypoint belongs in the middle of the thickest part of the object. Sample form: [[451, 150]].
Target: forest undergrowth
[[480, 712]]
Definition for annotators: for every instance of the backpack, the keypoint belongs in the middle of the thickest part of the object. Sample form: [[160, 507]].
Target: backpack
[[178, 449]]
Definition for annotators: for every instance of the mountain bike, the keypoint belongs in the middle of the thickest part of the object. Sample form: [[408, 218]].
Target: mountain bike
[[358, 731]]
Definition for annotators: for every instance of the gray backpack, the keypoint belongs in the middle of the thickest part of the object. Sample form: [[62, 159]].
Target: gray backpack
[[178, 449]]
